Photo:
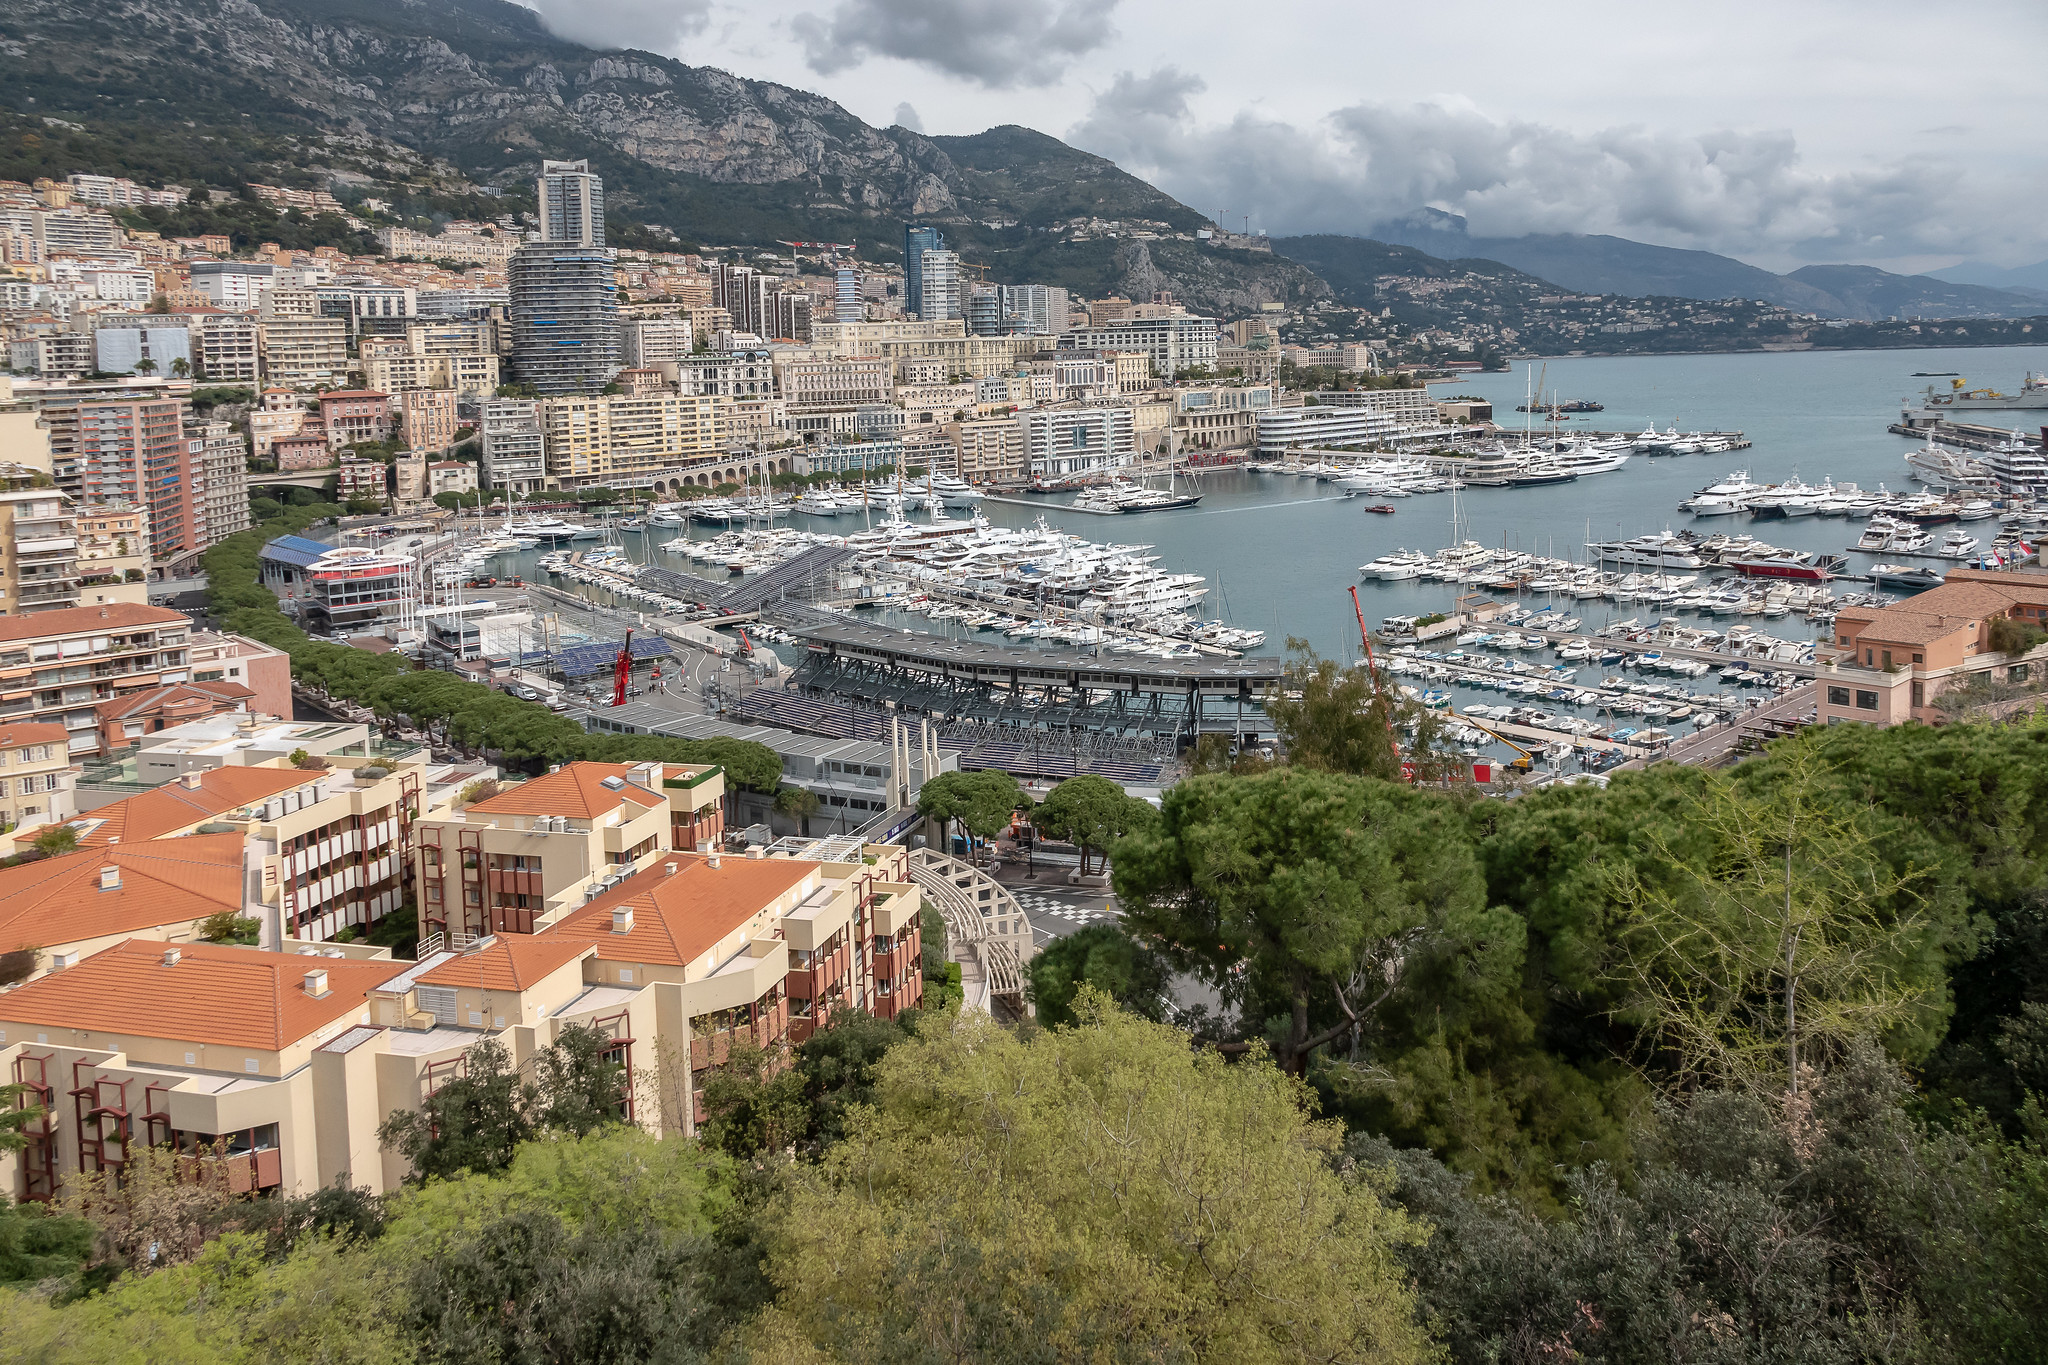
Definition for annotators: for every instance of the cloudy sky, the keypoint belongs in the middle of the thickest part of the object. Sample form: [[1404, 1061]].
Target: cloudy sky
[[1909, 135]]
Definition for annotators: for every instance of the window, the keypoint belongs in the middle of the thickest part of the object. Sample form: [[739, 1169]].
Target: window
[[1887, 659], [1919, 694], [1838, 696], [1867, 659], [1866, 701]]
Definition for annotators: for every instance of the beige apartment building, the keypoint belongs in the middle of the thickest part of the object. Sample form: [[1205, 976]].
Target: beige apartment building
[[521, 860], [624, 438], [947, 342], [37, 779], [389, 371], [285, 1064], [301, 349], [990, 449]]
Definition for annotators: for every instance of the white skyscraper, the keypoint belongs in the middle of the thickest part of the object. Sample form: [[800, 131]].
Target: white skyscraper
[[846, 300], [940, 292], [571, 203]]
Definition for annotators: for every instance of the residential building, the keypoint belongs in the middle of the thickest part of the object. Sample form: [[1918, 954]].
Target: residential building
[[233, 284], [278, 414], [941, 294], [622, 440], [564, 317], [849, 382], [263, 669], [1412, 407], [409, 478], [119, 191], [473, 375], [847, 304], [944, 344], [36, 786], [128, 447], [1219, 417], [59, 910], [650, 342], [355, 415], [519, 861], [307, 450], [1037, 309], [55, 666], [38, 545], [223, 460], [571, 202], [1893, 664], [302, 347], [1066, 442], [514, 448], [450, 476], [990, 450], [113, 552], [917, 239], [226, 347], [363, 480], [53, 354], [461, 247], [124, 344], [1174, 343], [426, 418]]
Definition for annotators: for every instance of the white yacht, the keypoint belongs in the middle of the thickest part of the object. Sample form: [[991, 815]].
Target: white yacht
[[2018, 463], [1660, 548], [1583, 457], [1397, 565], [1936, 463], [1730, 495]]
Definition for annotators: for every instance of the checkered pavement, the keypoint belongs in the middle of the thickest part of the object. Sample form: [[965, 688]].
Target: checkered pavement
[[1037, 904]]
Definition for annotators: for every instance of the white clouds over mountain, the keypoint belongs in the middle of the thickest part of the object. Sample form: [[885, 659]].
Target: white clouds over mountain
[[1725, 191], [651, 25]]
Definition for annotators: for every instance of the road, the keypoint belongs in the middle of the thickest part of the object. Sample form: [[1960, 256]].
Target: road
[[1710, 748]]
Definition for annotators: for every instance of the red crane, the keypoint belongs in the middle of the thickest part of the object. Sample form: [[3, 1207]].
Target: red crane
[[1373, 674], [622, 670]]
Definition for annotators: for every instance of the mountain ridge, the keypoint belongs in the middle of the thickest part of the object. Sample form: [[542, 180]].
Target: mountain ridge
[[481, 86], [1602, 264]]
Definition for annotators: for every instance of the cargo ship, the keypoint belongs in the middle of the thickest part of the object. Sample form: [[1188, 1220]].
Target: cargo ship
[[1960, 400]]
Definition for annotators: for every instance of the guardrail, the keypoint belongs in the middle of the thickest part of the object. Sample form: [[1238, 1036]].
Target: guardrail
[[983, 922]]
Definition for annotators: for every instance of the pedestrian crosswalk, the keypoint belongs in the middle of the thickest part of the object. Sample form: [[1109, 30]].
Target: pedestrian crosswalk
[[1037, 903]]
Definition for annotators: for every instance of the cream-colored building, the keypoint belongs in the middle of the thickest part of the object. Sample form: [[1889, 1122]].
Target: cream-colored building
[[395, 371], [113, 546], [620, 438], [301, 348], [282, 1065], [522, 859], [943, 341], [37, 778], [991, 449]]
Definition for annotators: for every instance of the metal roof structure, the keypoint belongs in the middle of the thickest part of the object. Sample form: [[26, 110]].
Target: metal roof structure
[[582, 661], [749, 594], [297, 551], [1005, 665]]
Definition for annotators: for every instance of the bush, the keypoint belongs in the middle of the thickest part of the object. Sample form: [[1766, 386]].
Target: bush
[[2009, 635]]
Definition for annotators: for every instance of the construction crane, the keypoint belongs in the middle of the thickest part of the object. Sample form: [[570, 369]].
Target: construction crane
[[1372, 673], [1526, 762], [816, 246], [622, 670]]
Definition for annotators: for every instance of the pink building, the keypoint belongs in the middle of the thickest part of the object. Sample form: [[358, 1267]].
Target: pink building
[[352, 415]]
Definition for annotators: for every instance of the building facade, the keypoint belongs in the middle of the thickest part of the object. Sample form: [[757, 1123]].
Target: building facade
[[1069, 442]]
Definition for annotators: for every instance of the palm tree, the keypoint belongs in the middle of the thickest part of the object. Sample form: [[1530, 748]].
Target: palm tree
[[181, 367], [145, 366]]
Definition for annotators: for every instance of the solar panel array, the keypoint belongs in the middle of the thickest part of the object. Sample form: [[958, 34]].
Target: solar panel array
[[583, 661]]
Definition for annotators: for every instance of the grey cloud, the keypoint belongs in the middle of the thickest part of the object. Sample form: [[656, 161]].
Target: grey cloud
[[650, 25], [995, 43], [1724, 191], [906, 117]]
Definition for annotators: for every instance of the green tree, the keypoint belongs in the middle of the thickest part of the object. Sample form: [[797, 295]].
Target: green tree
[[181, 367], [1102, 956], [225, 926], [1334, 719], [1092, 813], [982, 802], [55, 841], [798, 804], [1308, 898], [474, 1122], [1099, 1192], [578, 1085], [1795, 938]]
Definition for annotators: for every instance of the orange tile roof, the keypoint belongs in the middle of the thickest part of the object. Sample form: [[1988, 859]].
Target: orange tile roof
[[171, 881], [233, 997], [13, 735], [677, 918], [174, 806], [88, 620], [512, 962], [170, 694], [576, 790]]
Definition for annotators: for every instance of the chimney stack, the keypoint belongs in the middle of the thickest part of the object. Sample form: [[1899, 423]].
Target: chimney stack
[[713, 860], [672, 868], [110, 878], [316, 982], [190, 781], [622, 919], [171, 956]]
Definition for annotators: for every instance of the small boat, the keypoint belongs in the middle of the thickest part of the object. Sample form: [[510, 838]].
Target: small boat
[[1380, 507]]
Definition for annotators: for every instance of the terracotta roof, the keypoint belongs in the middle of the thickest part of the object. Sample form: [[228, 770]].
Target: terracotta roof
[[13, 735], [677, 918], [513, 962], [214, 994], [174, 806], [170, 694], [170, 881], [89, 620], [1937, 612], [576, 790]]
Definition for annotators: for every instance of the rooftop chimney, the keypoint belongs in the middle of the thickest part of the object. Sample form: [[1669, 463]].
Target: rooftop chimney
[[190, 781], [672, 868], [757, 852], [316, 982], [703, 845], [622, 919], [171, 956], [713, 860], [110, 879]]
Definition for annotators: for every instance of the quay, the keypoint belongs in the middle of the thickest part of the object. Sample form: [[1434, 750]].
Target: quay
[[1966, 435], [1538, 738], [1719, 658], [1041, 506]]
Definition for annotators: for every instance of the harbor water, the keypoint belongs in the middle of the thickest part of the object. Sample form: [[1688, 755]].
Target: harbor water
[[1280, 551]]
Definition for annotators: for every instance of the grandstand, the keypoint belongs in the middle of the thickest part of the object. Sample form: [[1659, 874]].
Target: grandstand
[[750, 594]]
